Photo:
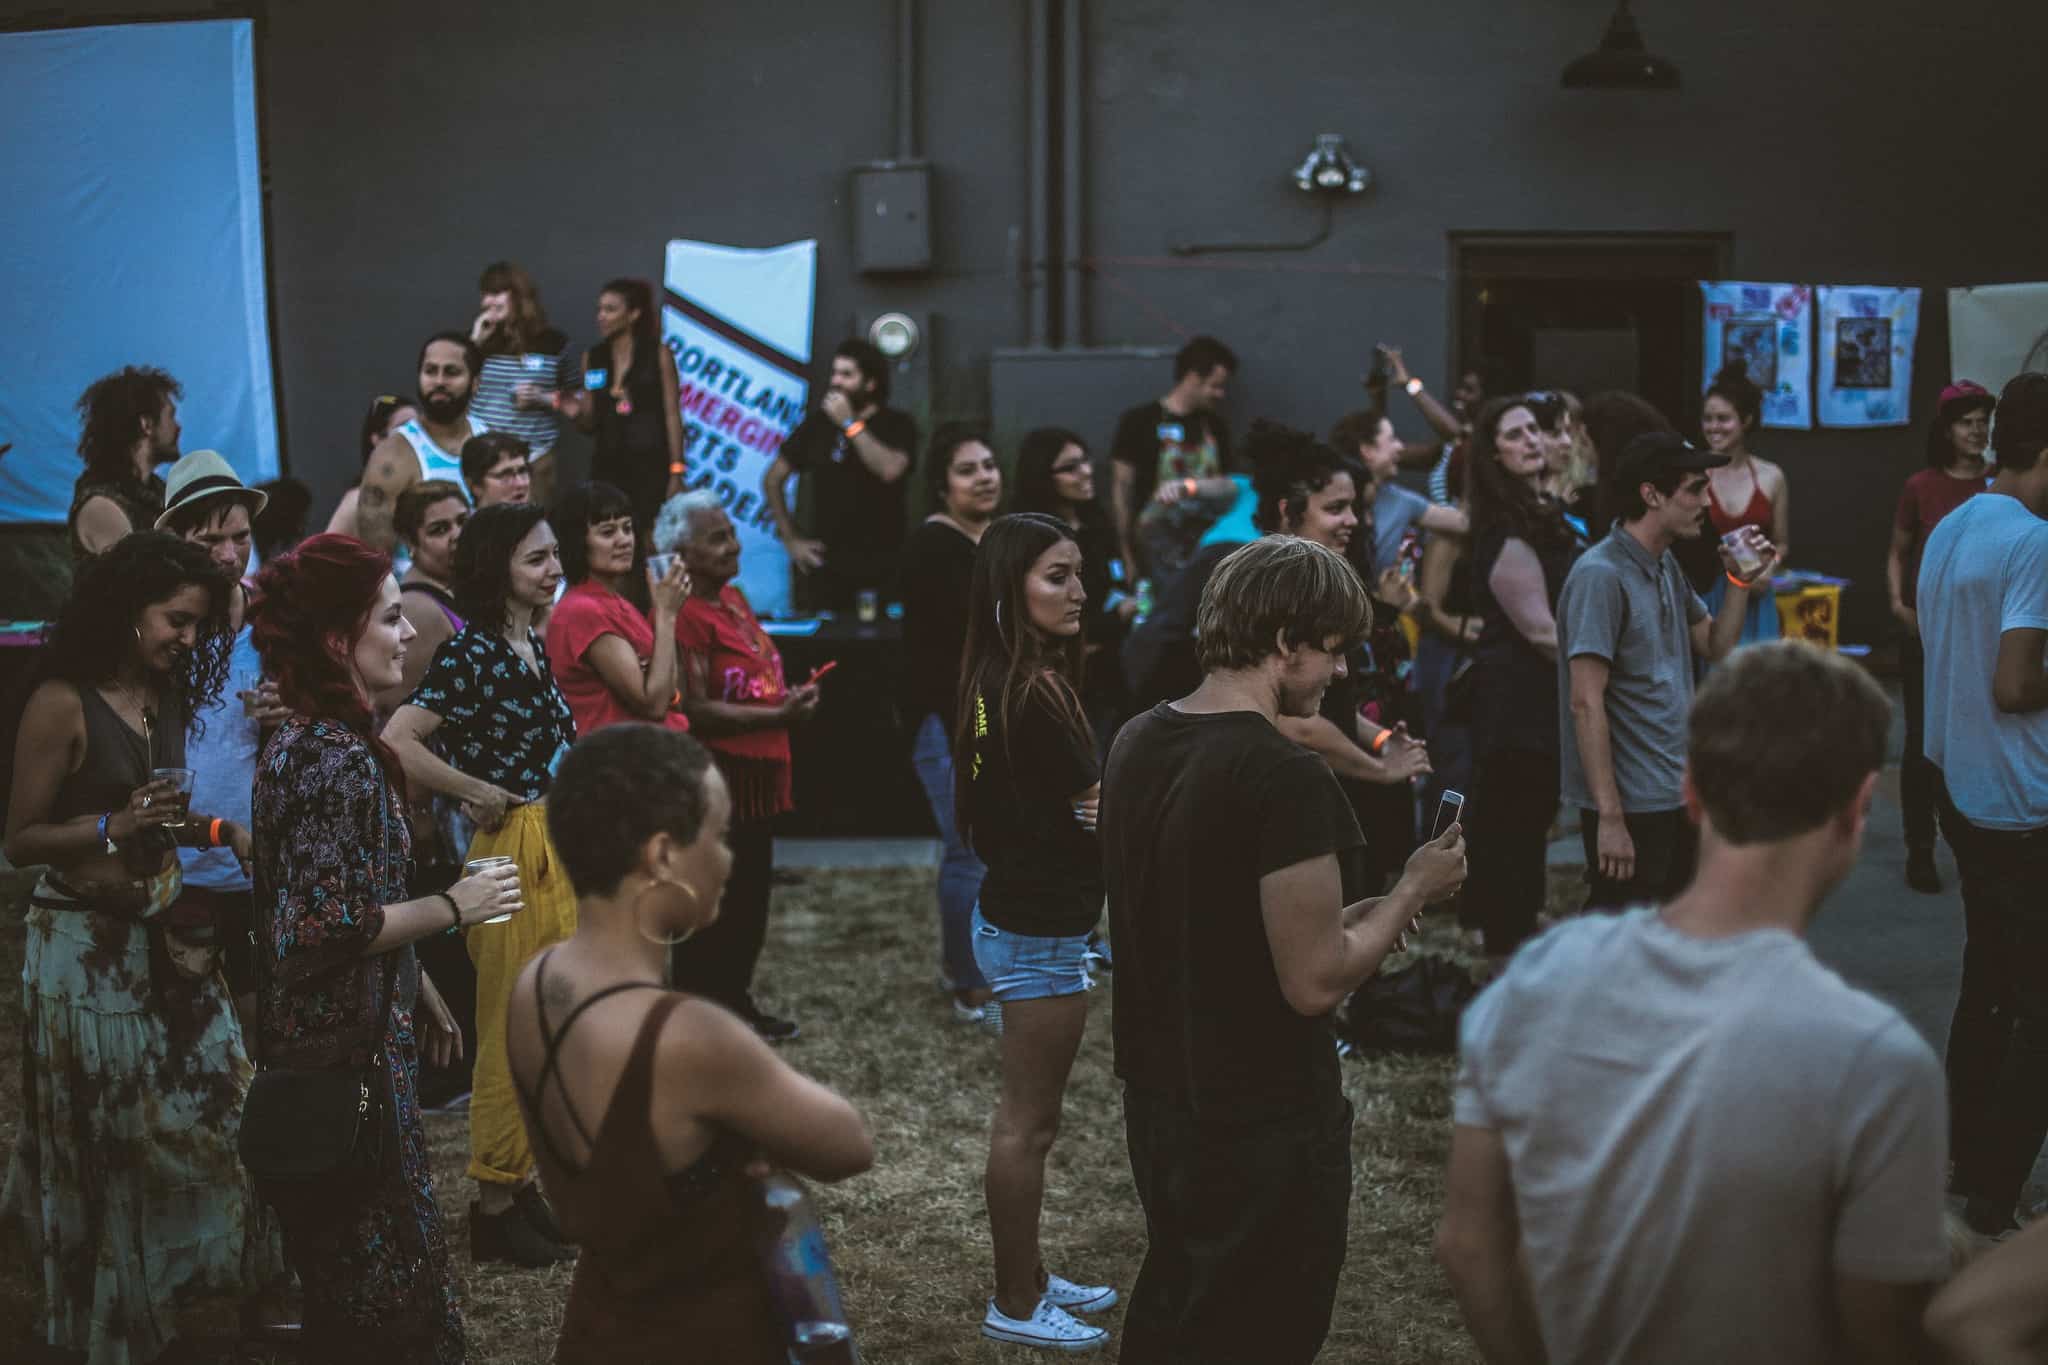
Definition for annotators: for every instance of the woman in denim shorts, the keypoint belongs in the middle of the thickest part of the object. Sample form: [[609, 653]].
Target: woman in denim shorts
[[1028, 784]]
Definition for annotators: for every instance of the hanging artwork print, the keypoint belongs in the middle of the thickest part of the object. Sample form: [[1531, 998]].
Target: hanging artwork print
[[1768, 329], [1866, 355]]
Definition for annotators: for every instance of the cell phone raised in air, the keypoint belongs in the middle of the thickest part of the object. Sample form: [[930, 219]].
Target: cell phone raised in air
[[1449, 811]]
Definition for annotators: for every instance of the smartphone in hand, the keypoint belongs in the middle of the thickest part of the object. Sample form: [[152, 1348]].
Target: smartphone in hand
[[1449, 811]]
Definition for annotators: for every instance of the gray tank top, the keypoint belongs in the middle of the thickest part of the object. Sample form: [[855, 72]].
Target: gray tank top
[[117, 758]]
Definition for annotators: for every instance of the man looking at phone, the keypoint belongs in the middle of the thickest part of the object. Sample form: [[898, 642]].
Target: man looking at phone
[[1678, 1136], [1225, 846], [1628, 629]]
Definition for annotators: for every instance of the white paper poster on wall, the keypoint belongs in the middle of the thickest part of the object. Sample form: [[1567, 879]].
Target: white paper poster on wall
[[739, 323], [1996, 331], [1769, 328], [1866, 355]]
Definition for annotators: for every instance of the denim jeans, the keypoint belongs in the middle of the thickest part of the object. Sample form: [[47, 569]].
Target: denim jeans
[[960, 872], [1245, 1223], [1030, 966], [1998, 1040]]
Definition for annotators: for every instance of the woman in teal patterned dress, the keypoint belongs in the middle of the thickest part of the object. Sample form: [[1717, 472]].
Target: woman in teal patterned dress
[[139, 1223], [339, 977]]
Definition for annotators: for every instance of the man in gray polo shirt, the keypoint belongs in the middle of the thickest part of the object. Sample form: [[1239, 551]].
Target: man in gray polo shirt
[[1628, 627]]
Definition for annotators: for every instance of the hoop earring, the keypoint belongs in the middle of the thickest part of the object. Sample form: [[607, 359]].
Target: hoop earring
[[664, 940]]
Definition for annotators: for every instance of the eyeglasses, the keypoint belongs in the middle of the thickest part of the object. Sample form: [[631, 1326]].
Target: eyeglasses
[[1075, 468], [509, 475]]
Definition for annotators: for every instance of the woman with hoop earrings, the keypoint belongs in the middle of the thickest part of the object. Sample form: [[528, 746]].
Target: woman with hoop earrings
[[653, 1112], [1029, 785]]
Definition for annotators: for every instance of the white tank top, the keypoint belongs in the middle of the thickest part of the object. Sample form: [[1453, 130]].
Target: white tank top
[[436, 463]]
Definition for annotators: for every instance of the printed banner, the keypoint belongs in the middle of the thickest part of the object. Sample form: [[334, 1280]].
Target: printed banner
[[1866, 355], [1769, 328], [739, 323], [1996, 331]]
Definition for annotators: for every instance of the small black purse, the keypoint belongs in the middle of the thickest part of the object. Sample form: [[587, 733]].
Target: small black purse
[[300, 1125]]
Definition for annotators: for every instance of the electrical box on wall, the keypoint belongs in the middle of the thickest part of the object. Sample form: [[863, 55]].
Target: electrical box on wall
[[892, 217]]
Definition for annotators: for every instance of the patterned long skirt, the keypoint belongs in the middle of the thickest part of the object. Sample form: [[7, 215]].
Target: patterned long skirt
[[125, 1184], [372, 1257]]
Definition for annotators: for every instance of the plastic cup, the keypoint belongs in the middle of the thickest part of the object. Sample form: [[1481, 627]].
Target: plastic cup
[[182, 798], [659, 565], [476, 865]]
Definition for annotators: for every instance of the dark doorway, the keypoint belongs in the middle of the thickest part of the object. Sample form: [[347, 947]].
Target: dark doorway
[[1587, 311]]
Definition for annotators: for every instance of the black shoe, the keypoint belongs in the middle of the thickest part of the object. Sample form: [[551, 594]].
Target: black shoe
[[531, 1205], [509, 1238], [1920, 870]]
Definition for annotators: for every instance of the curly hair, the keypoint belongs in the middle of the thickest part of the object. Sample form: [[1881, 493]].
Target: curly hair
[[483, 559], [97, 629], [111, 414], [1288, 468], [316, 600]]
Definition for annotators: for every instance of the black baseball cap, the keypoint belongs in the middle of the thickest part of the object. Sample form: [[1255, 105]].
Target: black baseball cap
[[1654, 456]]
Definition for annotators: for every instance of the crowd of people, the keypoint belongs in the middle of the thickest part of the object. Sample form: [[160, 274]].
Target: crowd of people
[[468, 802]]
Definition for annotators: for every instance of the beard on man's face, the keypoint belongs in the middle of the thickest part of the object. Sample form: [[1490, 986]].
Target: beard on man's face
[[442, 407]]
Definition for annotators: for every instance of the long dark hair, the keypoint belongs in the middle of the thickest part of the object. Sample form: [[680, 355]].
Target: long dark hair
[[316, 602], [1005, 659], [1288, 468], [639, 296], [528, 320], [483, 560], [111, 414], [1036, 492], [1502, 503], [97, 628]]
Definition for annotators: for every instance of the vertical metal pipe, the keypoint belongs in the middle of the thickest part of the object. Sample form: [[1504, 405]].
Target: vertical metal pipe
[[1072, 42], [906, 80], [1041, 173]]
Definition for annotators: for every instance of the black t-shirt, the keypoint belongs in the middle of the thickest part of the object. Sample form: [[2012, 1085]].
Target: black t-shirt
[[1514, 684], [1044, 870], [938, 561], [1160, 443], [1195, 810], [856, 513]]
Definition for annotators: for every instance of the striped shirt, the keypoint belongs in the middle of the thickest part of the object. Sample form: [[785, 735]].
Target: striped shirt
[[493, 401]]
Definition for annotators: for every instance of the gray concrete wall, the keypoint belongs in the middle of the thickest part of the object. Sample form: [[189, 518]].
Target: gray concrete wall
[[409, 143]]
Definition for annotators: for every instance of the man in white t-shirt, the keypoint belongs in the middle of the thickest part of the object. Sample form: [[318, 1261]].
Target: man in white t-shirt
[[1678, 1136], [1986, 564]]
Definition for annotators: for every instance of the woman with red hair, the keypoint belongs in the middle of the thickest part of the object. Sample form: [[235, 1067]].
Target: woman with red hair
[[336, 964]]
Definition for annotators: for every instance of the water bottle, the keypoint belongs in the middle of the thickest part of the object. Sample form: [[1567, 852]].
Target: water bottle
[[800, 1275]]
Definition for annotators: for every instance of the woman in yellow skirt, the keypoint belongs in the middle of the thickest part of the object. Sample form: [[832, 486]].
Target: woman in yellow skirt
[[486, 727]]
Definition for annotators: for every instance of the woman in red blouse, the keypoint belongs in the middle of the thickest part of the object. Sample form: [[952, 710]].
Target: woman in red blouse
[[611, 662], [742, 707]]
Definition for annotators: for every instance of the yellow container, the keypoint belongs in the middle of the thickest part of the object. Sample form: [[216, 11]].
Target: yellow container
[[1812, 613]]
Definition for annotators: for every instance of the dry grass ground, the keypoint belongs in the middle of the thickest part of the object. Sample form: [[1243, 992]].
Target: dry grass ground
[[851, 956]]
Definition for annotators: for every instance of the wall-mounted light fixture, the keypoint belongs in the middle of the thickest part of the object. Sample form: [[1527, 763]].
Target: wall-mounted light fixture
[[1329, 169], [895, 335]]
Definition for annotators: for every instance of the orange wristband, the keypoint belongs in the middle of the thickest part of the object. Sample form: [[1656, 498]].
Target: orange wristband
[[213, 833], [1739, 583], [675, 466], [1380, 740], [1191, 486], [854, 428]]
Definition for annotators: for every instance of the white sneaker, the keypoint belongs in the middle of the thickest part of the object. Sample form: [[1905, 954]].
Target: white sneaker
[[1078, 1298], [1048, 1326]]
